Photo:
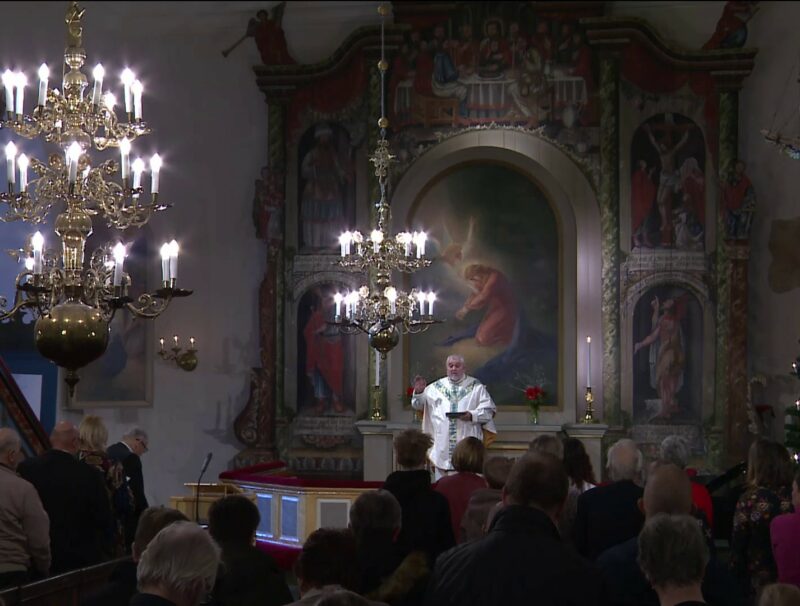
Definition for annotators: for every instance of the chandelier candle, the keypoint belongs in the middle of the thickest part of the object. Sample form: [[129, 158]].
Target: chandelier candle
[[97, 92], [137, 89], [125, 159], [173, 261], [155, 167], [138, 169], [21, 82], [127, 81], [11, 172], [165, 264], [23, 173], [73, 155], [119, 259], [37, 241], [44, 74], [8, 85]]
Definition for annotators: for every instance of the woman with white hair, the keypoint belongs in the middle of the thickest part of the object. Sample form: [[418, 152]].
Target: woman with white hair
[[675, 449]]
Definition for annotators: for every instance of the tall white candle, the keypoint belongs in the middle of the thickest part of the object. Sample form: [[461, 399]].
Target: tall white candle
[[337, 299], [391, 294], [8, 83], [119, 259], [421, 300], [155, 167], [127, 80], [44, 74], [138, 169], [165, 263], [125, 157], [73, 155], [431, 298], [38, 245], [344, 241], [11, 163], [588, 361], [97, 92], [22, 82], [137, 89], [377, 368], [23, 173], [173, 260], [421, 244]]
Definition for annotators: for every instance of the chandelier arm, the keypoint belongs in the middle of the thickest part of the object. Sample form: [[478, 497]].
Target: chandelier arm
[[148, 306]]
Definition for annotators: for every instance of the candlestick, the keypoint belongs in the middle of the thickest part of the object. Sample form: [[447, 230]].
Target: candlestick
[[421, 299], [44, 74], [21, 83], [8, 84], [431, 298], [344, 243], [97, 92], [23, 173], [175, 339], [161, 342], [37, 241], [377, 369], [125, 157], [11, 162], [155, 167], [127, 80], [165, 264], [138, 169], [191, 343], [173, 261], [589, 362], [337, 299], [119, 259], [73, 155], [137, 89], [377, 237]]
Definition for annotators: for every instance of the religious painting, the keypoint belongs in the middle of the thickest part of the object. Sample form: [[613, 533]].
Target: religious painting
[[325, 358], [123, 375], [668, 189], [496, 276], [499, 62], [667, 357], [326, 187]]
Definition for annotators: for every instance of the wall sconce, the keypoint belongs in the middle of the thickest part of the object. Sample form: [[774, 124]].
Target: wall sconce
[[186, 359]]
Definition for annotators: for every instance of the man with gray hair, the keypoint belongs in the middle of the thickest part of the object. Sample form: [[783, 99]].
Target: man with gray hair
[[675, 449], [673, 556], [128, 451], [608, 515], [178, 567], [24, 525], [455, 407]]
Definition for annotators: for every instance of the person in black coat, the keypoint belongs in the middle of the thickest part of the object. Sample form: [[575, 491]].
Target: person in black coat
[[609, 515], [74, 496], [129, 452], [248, 576], [426, 523], [522, 559]]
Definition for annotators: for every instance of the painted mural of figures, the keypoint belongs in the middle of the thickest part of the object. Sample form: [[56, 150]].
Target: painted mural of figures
[[644, 211], [669, 181], [493, 292], [324, 363], [445, 75], [739, 200], [326, 173], [495, 55], [667, 355], [465, 51]]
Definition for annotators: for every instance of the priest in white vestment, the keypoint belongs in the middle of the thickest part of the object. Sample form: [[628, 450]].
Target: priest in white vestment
[[456, 393]]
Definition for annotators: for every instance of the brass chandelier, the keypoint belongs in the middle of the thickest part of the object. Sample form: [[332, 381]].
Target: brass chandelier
[[380, 309], [73, 304]]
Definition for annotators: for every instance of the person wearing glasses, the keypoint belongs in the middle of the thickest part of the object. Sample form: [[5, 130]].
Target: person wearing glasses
[[128, 451]]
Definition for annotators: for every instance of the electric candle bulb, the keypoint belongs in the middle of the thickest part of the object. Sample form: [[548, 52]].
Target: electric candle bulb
[[404, 238], [74, 154], [391, 294], [155, 167], [191, 342], [165, 263], [344, 243], [11, 161], [109, 100], [23, 173], [377, 237], [173, 260], [125, 157], [421, 299], [137, 88], [420, 240], [138, 169], [161, 342], [337, 299], [119, 259], [8, 84], [21, 83], [97, 92], [44, 74], [37, 241], [431, 298], [175, 340], [127, 80], [28, 263]]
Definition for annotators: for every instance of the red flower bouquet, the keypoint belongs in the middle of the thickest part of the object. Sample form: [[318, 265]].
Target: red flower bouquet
[[535, 396]]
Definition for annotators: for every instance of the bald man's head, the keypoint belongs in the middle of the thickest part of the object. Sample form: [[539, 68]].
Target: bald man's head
[[65, 437], [668, 490], [10, 446]]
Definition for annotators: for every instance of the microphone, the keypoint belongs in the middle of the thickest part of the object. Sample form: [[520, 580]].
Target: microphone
[[197, 488]]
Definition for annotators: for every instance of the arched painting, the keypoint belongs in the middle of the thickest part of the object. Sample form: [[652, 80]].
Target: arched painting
[[668, 184], [326, 188], [667, 357], [497, 281], [325, 367]]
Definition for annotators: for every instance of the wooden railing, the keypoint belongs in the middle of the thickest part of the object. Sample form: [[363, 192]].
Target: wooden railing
[[63, 590]]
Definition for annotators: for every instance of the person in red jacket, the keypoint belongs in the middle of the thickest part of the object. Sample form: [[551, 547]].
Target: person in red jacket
[[675, 449], [458, 487]]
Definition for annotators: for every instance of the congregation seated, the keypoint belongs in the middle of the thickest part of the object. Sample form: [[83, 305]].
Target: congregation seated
[[779, 594], [675, 449], [178, 568], [248, 576], [128, 451], [121, 585], [609, 514], [785, 536], [24, 525], [668, 491], [474, 521], [458, 487], [769, 477], [384, 575], [76, 501], [326, 566], [547, 443], [426, 515], [581, 478], [673, 555], [522, 559]]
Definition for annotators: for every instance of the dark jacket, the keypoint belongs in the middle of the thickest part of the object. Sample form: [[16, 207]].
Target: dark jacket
[[520, 561], [132, 465], [249, 577], [627, 585], [426, 514], [119, 589], [74, 496], [607, 516], [148, 599]]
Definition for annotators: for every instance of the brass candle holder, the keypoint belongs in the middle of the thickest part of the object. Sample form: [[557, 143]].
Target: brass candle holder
[[376, 414], [588, 415], [186, 359]]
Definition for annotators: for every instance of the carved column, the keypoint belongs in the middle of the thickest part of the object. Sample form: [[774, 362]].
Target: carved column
[[609, 219], [255, 425]]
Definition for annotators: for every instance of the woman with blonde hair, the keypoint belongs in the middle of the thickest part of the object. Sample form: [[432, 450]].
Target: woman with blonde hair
[[94, 440], [458, 487]]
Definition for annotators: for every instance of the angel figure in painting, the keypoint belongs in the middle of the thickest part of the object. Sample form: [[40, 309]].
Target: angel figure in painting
[[667, 354]]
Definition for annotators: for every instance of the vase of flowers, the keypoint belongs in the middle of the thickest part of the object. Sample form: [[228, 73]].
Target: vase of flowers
[[535, 396]]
